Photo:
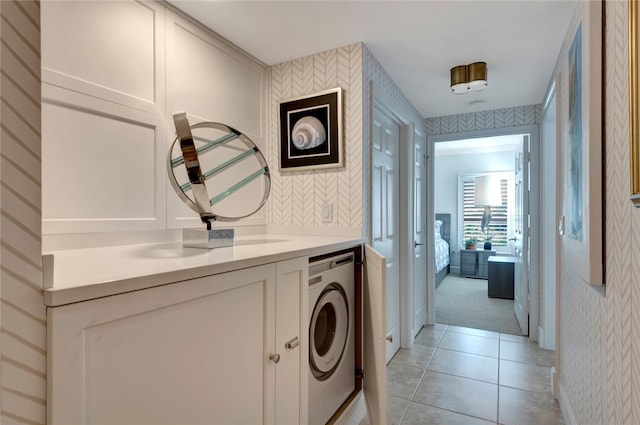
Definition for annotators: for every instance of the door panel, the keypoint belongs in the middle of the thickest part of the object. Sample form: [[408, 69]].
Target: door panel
[[374, 333], [519, 242], [386, 139], [419, 233]]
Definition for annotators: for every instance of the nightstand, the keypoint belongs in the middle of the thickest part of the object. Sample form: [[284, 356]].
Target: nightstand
[[473, 262]]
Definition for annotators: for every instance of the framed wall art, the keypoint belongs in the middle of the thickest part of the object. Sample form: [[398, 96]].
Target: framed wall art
[[582, 152], [634, 147], [311, 131]]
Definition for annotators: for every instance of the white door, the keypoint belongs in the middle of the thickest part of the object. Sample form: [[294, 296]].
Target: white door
[[374, 335], [419, 232], [519, 242], [384, 204]]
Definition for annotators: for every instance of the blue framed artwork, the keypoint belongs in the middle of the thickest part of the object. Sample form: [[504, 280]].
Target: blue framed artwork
[[582, 207], [575, 135]]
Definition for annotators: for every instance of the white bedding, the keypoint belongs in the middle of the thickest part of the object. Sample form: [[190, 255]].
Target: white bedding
[[442, 254]]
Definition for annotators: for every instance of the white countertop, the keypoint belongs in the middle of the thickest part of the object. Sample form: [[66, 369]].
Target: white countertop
[[82, 274]]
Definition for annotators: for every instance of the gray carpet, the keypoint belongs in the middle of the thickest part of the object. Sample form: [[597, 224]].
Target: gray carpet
[[464, 302]]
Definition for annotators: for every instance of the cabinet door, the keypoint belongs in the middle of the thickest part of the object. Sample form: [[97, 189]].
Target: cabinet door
[[291, 341], [374, 334], [190, 352]]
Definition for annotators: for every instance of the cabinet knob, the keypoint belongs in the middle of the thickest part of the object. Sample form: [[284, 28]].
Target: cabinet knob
[[274, 357], [390, 338]]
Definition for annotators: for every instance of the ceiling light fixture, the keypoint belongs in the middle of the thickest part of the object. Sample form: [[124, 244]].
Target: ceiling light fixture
[[466, 78]]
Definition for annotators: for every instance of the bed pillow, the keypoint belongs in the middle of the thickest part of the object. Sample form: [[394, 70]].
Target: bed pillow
[[437, 229]]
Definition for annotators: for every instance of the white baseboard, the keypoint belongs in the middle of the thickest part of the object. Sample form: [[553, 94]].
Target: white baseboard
[[541, 337], [454, 269], [567, 414]]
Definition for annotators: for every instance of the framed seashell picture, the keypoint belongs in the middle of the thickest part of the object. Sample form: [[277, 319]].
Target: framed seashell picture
[[311, 131]]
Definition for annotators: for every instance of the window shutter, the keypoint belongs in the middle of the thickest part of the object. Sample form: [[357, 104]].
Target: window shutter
[[472, 215]]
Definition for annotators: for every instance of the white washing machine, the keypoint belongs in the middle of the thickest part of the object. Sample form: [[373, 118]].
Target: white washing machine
[[331, 336]]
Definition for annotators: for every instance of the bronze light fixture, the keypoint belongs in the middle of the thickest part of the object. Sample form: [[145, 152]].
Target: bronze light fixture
[[466, 78]]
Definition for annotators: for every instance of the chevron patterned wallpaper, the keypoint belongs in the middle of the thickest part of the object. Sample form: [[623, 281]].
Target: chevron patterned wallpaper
[[485, 120], [385, 88], [297, 197], [23, 348], [600, 336]]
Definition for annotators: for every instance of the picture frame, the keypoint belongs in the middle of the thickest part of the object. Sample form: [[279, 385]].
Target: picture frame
[[582, 145], [310, 130], [634, 121]]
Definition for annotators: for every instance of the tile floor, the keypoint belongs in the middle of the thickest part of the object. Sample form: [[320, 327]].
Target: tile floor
[[462, 376]]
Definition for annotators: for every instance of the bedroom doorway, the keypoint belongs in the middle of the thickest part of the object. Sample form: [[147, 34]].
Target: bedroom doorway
[[458, 160]]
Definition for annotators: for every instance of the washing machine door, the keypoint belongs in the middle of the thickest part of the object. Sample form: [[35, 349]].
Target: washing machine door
[[328, 331]]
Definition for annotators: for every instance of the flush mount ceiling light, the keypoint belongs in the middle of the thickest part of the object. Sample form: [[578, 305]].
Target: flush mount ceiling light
[[466, 78]]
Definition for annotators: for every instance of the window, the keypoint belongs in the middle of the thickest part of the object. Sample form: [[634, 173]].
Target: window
[[472, 214]]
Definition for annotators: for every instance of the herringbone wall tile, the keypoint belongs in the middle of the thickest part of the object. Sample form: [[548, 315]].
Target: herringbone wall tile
[[600, 335]]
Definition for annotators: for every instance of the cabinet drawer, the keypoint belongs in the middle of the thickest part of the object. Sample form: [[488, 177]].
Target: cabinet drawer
[[468, 257]]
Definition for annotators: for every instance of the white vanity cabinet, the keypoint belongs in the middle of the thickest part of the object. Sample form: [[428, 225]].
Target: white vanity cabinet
[[206, 350]]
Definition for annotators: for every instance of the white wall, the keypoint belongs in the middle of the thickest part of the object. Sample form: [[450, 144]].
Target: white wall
[[108, 101], [447, 169]]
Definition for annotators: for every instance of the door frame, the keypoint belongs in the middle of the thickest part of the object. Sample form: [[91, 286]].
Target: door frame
[[534, 210], [549, 291], [405, 209]]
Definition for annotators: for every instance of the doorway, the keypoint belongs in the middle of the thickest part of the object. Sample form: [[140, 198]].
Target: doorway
[[465, 156]]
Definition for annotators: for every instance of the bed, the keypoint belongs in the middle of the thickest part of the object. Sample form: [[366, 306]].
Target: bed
[[442, 237]]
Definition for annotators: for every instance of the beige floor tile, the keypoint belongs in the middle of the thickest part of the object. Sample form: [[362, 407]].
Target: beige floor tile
[[440, 327], [514, 338], [462, 395], [525, 376], [395, 410], [402, 380], [518, 407], [471, 344], [528, 352], [465, 365], [420, 414], [417, 356], [472, 331], [430, 336]]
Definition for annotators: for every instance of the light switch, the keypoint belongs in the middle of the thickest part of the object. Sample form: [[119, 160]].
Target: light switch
[[327, 213]]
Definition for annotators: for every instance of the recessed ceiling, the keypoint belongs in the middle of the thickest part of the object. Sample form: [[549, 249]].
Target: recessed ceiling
[[416, 42]]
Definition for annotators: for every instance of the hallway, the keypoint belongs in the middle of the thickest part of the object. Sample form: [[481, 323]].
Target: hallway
[[464, 376]]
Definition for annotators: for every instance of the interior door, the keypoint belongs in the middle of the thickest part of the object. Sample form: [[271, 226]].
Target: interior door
[[374, 335], [385, 188], [419, 232], [519, 242]]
